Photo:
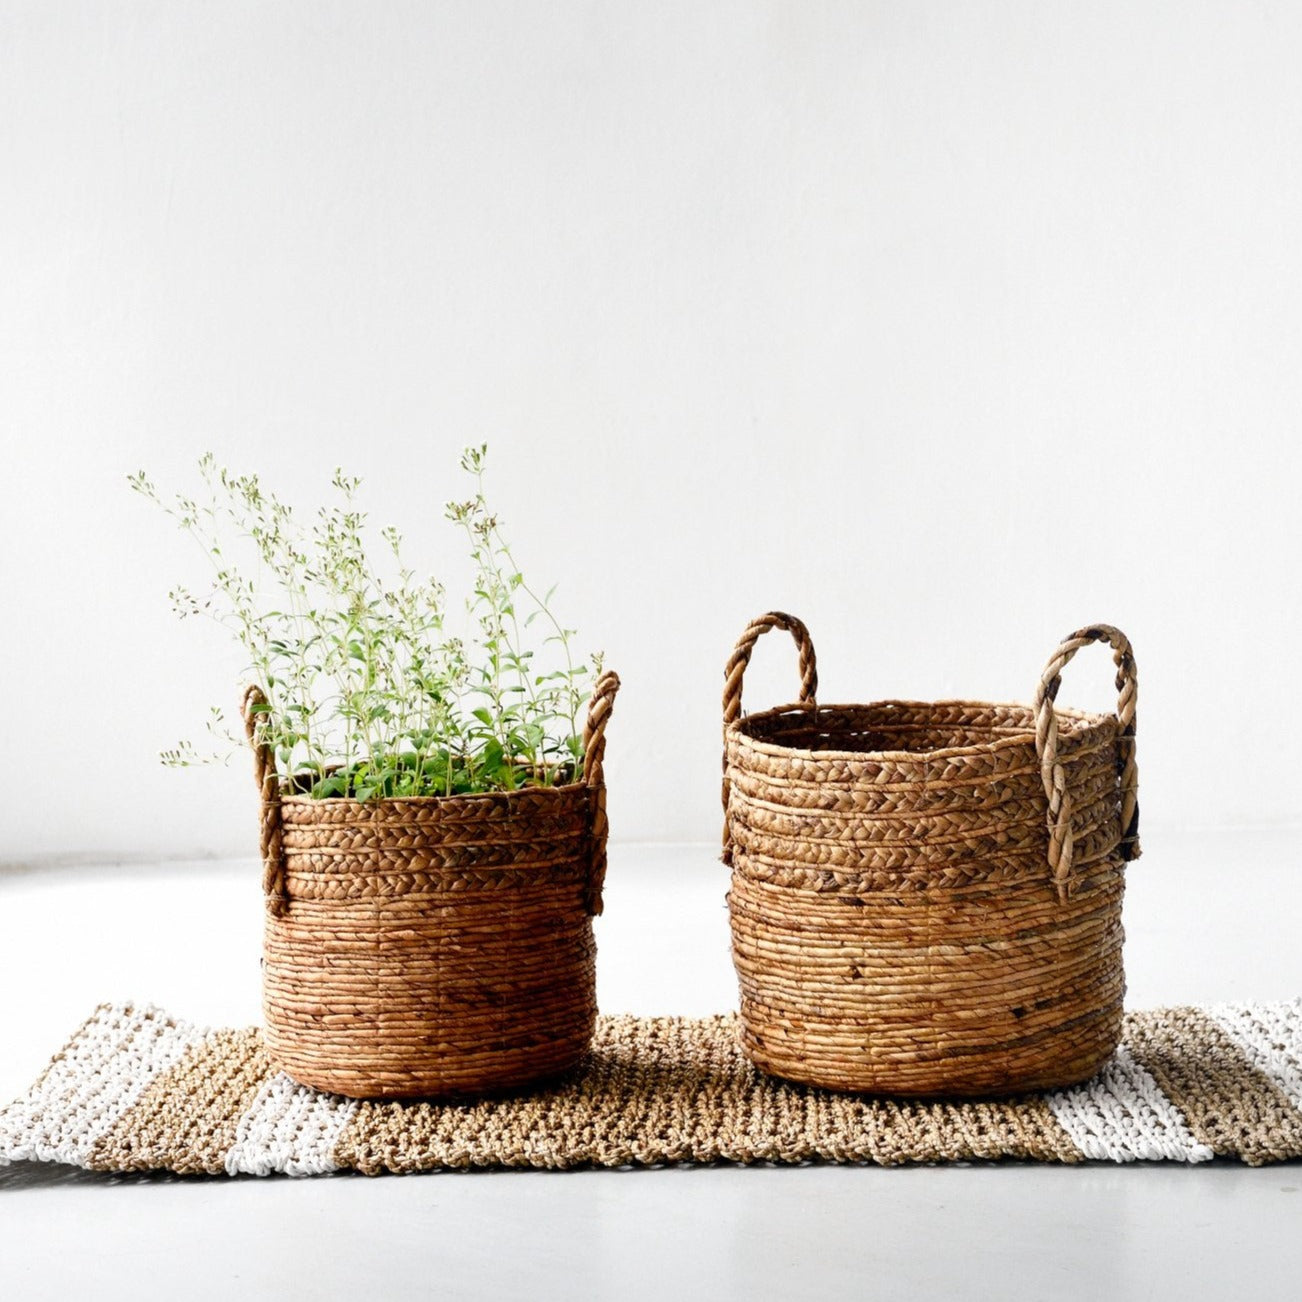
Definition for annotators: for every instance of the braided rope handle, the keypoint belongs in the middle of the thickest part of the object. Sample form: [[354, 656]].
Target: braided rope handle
[[1061, 836], [252, 707], [594, 778], [735, 670]]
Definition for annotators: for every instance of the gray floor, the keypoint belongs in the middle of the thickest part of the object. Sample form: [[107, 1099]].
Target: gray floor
[[992, 1232], [1209, 916]]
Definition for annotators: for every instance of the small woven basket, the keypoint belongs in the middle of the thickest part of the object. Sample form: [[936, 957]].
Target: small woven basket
[[926, 898], [432, 946]]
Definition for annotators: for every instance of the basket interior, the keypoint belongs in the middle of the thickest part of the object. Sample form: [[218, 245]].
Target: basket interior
[[905, 727]]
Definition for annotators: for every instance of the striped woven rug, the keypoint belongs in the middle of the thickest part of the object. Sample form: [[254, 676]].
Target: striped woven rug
[[138, 1090]]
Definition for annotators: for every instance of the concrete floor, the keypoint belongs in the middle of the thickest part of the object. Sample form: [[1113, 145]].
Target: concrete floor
[[1209, 916]]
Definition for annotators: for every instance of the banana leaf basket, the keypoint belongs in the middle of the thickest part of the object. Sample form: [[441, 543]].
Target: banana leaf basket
[[926, 897], [432, 946]]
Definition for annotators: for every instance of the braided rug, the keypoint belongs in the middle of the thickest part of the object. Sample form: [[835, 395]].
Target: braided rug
[[137, 1090]]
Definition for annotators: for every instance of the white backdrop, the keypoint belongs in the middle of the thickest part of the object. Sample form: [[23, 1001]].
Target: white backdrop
[[948, 327]]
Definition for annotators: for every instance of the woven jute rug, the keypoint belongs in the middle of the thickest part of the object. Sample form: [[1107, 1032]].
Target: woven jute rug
[[137, 1090]]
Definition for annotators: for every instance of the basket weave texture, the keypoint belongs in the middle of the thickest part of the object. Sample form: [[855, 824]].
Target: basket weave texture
[[926, 897], [432, 946]]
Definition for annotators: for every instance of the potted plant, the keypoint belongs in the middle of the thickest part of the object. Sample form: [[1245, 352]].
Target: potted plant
[[433, 824]]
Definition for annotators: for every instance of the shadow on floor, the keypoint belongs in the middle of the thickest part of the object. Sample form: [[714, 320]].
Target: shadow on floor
[[45, 1175]]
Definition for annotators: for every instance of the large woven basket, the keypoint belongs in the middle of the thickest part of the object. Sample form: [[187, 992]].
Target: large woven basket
[[432, 946], [926, 897]]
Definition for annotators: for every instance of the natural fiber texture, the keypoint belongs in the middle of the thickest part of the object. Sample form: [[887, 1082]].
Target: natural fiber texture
[[926, 897], [432, 946], [135, 1090]]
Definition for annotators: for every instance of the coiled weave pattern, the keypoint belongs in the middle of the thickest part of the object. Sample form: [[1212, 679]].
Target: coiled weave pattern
[[432, 946], [926, 897]]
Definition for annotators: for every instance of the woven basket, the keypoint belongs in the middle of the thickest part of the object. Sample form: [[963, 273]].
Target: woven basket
[[926, 898], [432, 946]]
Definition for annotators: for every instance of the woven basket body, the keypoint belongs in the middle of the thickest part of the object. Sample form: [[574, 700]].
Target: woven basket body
[[913, 913], [434, 946]]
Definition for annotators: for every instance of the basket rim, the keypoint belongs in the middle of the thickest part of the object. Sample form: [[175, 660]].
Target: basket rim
[[424, 802], [1084, 719]]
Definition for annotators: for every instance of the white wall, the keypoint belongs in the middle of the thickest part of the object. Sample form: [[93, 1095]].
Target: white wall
[[949, 327]]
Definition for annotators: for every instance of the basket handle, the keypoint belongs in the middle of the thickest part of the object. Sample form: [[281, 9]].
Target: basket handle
[[1061, 836], [252, 707], [594, 778], [735, 671]]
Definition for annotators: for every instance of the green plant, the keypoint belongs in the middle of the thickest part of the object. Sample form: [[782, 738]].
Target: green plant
[[369, 694]]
